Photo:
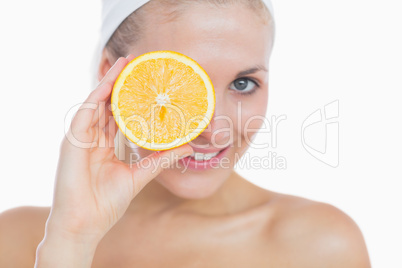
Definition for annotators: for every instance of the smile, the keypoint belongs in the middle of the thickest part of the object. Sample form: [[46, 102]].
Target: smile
[[203, 157], [206, 160]]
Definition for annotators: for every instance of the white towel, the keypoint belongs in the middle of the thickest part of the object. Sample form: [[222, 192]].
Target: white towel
[[115, 11]]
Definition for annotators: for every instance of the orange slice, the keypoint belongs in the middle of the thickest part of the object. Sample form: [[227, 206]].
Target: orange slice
[[162, 99]]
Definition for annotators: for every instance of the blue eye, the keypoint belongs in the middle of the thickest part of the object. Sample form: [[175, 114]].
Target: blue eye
[[244, 85]]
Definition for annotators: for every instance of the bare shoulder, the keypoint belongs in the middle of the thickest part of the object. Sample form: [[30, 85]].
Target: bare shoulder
[[21, 230], [316, 234]]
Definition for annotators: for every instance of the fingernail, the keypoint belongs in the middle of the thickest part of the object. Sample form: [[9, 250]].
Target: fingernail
[[185, 155], [115, 63]]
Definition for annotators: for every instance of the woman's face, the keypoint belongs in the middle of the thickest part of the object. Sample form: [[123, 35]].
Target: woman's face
[[225, 42]]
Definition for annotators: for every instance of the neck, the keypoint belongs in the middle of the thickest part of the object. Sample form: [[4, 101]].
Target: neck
[[235, 194]]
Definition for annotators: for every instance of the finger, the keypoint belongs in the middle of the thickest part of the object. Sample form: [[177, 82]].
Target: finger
[[83, 119], [108, 134], [110, 131], [99, 117], [106, 121], [106, 124], [149, 167], [130, 57], [111, 125], [103, 115], [110, 77], [114, 71]]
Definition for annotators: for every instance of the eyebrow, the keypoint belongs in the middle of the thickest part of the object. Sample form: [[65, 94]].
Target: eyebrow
[[252, 70]]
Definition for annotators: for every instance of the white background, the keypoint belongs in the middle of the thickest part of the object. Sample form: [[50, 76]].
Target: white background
[[346, 50]]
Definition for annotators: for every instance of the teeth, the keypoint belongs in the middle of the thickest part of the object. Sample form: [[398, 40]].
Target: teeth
[[203, 157]]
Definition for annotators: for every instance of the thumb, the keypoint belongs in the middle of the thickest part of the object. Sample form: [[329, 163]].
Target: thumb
[[149, 167]]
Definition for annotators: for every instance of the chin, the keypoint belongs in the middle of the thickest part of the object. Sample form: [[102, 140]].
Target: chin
[[193, 185]]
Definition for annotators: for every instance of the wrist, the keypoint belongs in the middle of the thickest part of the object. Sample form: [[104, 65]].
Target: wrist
[[74, 232], [56, 251]]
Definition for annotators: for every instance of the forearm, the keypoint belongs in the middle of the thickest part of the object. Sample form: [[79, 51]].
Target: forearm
[[60, 253]]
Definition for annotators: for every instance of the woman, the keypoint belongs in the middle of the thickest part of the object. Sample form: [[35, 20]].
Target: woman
[[112, 213]]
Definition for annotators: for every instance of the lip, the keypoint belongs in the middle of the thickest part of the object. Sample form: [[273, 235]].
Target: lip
[[207, 150], [192, 164]]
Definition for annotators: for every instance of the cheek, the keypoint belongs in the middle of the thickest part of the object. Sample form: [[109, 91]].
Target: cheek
[[253, 115]]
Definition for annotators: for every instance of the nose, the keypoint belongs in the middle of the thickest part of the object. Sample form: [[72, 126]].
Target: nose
[[218, 133]]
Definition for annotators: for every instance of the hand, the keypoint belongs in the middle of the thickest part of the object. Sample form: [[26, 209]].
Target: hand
[[93, 189]]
